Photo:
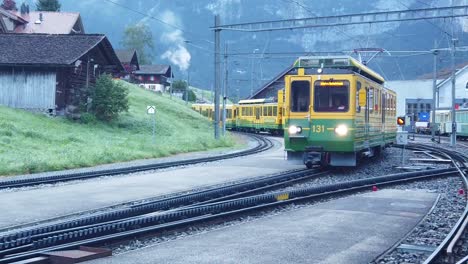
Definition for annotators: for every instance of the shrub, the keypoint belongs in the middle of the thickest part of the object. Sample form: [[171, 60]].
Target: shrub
[[108, 99], [87, 118]]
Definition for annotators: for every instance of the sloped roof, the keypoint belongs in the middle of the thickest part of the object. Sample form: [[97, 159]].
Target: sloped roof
[[3, 27], [277, 78], [125, 56], [155, 69], [450, 77], [52, 23], [12, 16], [51, 50]]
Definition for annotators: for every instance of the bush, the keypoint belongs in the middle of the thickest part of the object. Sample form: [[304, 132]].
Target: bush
[[108, 99], [87, 118], [192, 97]]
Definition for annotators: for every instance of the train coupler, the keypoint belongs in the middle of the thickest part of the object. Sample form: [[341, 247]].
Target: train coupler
[[313, 156]]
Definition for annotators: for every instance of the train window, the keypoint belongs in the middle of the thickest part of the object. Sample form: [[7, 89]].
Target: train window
[[235, 113], [270, 111], [275, 111], [383, 106], [377, 105], [371, 99], [331, 96], [265, 111], [358, 88], [300, 96]]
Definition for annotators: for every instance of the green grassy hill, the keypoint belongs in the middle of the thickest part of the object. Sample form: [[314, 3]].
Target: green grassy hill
[[35, 143]]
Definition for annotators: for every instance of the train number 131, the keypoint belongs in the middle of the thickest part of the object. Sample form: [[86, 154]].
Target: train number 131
[[318, 128]]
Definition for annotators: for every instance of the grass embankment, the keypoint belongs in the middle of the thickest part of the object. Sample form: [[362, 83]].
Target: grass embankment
[[35, 143]]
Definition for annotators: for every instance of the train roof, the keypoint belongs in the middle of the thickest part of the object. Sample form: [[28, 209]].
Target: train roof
[[257, 101], [338, 62]]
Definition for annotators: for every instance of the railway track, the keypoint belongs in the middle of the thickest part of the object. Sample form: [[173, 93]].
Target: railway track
[[185, 211], [446, 250], [263, 144]]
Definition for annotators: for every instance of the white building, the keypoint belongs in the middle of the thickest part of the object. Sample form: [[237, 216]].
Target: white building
[[461, 89], [412, 92], [415, 96]]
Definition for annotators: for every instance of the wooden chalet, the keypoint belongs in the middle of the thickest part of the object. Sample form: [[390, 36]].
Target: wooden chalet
[[129, 60], [52, 72], [38, 22], [154, 77], [9, 21], [50, 23]]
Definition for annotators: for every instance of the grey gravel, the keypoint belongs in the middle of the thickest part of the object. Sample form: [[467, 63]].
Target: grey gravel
[[379, 166], [436, 226]]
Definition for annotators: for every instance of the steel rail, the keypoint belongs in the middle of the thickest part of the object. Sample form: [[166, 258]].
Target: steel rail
[[446, 247], [10, 239], [197, 213], [200, 197], [263, 145]]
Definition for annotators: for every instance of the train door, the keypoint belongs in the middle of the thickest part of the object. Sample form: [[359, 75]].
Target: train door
[[366, 101], [258, 110]]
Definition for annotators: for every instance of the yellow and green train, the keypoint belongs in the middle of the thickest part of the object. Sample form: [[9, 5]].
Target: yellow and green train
[[336, 111], [332, 111], [256, 115]]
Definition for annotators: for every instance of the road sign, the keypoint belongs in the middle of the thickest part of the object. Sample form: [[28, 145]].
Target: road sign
[[402, 138], [151, 109]]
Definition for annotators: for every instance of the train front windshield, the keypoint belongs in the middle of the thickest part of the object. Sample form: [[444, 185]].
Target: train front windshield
[[331, 96]]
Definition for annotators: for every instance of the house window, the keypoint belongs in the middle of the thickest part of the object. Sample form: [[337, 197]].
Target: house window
[[152, 78]]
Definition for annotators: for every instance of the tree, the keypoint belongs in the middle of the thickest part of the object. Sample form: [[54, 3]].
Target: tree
[[24, 9], [179, 85], [140, 38], [192, 97], [108, 98], [48, 5], [9, 5]]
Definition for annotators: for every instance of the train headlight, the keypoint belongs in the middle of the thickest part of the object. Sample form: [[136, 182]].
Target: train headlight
[[295, 130], [341, 130]]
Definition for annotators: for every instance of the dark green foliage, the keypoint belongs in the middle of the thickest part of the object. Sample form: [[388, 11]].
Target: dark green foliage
[[24, 9], [179, 85], [87, 118], [108, 99], [140, 38], [192, 97], [48, 5]]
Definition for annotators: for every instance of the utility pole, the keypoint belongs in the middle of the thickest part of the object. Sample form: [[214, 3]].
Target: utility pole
[[434, 93], [225, 86], [188, 87], [217, 33], [252, 73], [453, 138]]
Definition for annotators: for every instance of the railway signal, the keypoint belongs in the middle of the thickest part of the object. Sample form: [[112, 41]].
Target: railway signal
[[401, 121]]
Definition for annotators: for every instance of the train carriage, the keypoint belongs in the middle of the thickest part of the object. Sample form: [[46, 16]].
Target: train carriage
[[207, 110], [336, 110], [259, 115], [443, 120]]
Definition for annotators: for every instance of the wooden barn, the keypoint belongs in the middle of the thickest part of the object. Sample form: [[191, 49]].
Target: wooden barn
[[51, 73], [154, 77], [129, 60]]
